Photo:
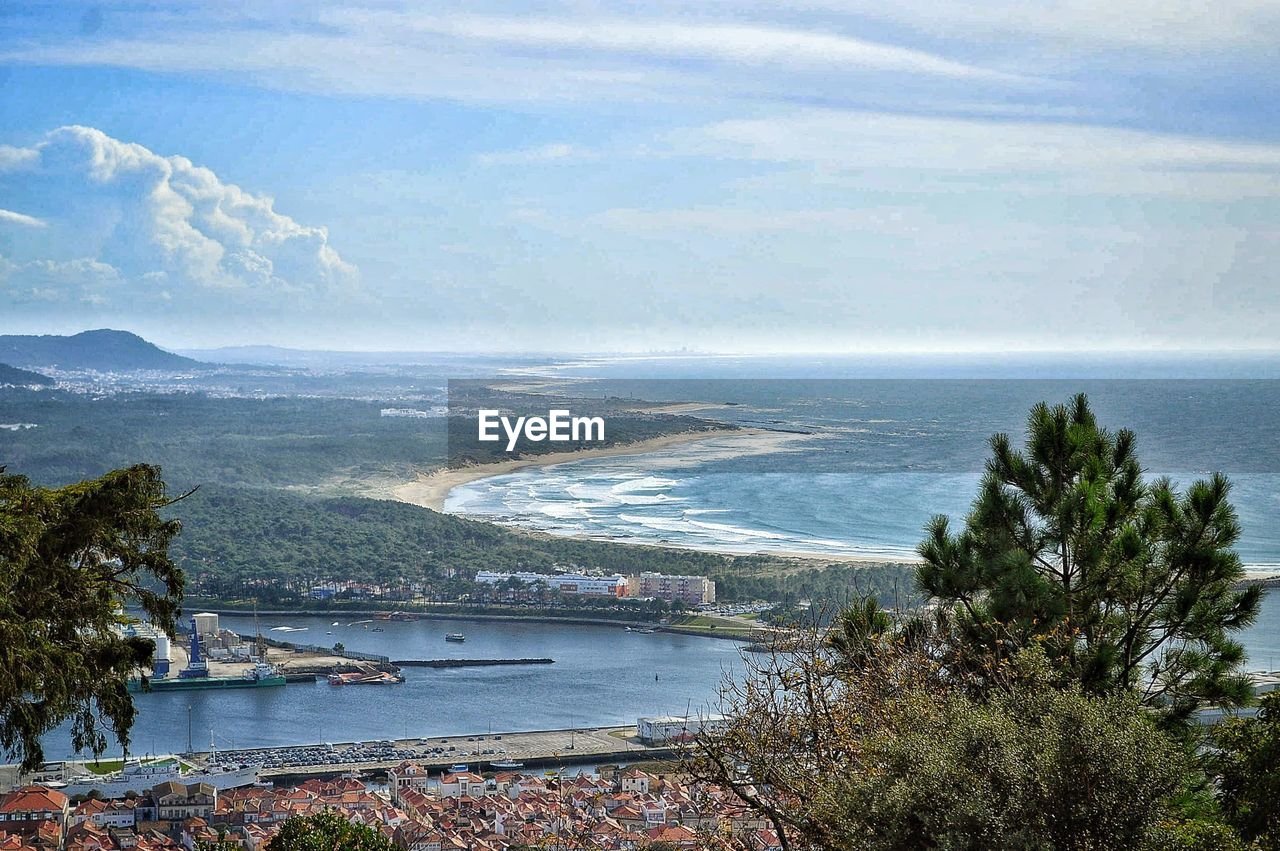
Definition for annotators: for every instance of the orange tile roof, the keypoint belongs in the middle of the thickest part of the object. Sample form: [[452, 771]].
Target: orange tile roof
[[32, 799]]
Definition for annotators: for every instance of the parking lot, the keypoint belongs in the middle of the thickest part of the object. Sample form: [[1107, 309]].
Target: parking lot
[[475, 751]]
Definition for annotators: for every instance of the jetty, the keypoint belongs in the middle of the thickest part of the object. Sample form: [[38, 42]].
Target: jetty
[[466, 663]]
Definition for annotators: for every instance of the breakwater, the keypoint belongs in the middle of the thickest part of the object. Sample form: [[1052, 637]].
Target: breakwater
[[467, 663]]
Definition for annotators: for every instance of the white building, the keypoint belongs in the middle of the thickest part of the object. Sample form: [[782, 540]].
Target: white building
[[406, 775], [665, 729], [566, 583], [462, 783]]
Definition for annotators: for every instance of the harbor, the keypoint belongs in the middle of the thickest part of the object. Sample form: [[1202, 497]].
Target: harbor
[[602, 676]]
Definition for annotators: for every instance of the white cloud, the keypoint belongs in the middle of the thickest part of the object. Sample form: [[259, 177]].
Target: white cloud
[[82, 279], [556, 151], [564, 53], [879, 150], [21, 219], [1089, 26], [740, 44], [12, 158], [145, 223], [745, 221]]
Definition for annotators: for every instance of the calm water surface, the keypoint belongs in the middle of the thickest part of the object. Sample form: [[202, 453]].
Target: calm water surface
[[601, 676]]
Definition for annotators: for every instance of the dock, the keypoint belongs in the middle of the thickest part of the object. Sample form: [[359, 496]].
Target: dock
[[467, 663]]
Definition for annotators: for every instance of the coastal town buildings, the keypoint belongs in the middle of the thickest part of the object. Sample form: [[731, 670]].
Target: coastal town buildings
[[611, 811], [34, 813]]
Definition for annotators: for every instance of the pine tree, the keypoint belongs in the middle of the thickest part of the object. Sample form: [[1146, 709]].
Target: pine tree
[[1127, 585], [70, 558]]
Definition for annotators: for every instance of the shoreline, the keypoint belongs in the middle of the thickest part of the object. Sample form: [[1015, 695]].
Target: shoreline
[[579, 619], [431, 490]]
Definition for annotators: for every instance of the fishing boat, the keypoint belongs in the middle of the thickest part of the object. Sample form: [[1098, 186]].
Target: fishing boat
[[506, 765], [455, 636]]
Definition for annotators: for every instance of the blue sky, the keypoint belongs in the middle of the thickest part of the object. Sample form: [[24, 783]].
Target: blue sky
[[829, 175]]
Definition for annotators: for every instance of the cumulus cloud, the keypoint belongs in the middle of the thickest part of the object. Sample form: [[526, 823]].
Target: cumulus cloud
[[130, 226]]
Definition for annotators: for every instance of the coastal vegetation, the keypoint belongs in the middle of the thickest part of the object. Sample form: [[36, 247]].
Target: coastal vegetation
[[275, 545], [1046, 699], [1245, 762], [70, 557]]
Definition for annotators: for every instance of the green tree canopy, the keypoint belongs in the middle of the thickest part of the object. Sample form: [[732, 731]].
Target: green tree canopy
[[1127, 585], [70, 557], [1247, 765], [327, 831], [886, 748]]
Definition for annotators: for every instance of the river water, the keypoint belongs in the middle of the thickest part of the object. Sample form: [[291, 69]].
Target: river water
[[602, 675]]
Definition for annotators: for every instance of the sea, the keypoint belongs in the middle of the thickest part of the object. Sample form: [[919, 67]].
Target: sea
[[862, 453]]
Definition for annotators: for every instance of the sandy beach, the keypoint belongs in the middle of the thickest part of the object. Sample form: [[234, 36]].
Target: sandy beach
[[430, 490]]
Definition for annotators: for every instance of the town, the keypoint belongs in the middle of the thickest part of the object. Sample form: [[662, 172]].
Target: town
[[614, 808]]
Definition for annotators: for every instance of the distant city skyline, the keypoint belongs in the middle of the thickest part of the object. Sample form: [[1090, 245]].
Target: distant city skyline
[[832, 176]]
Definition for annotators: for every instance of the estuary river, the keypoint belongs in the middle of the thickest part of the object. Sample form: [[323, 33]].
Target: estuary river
[[602, 675]]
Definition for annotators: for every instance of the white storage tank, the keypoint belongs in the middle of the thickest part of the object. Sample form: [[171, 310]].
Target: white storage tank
[[162, 646], [207, 623]]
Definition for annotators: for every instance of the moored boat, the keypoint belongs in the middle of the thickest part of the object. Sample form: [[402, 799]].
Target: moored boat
[[506, 765]]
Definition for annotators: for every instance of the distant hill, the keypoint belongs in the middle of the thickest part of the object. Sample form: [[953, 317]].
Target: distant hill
[[103, 349], [13, 375]]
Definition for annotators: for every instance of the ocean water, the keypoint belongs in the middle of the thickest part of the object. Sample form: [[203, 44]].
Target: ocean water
[[877, 460]]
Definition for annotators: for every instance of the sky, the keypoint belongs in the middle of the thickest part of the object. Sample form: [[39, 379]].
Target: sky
[[732, 176]]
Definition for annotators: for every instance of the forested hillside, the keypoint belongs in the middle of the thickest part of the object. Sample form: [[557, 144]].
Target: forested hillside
[[102, 350], [234, 537], [21, 377]]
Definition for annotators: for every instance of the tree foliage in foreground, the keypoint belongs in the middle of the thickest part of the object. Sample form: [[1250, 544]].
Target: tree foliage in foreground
[[69, 558], [1247, 768], [1127, 585], [327, 831], [888, 749]]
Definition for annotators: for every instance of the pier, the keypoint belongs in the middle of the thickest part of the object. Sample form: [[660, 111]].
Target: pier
[[467, 663]]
